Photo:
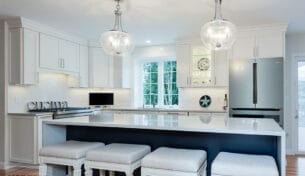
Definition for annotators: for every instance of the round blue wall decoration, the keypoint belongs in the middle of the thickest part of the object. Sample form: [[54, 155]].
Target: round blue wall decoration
[[205, 101]]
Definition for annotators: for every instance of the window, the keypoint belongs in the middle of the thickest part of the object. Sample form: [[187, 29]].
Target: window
[[159, 84]]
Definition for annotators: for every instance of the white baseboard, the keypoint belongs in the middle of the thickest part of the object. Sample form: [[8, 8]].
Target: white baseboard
[[9, 165]]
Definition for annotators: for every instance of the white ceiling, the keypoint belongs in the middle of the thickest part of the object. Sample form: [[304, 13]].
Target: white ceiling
[[161, 21]]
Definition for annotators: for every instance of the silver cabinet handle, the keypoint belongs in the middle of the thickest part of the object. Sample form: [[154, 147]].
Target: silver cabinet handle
[[59, 62], [63, 63], [257, 51]]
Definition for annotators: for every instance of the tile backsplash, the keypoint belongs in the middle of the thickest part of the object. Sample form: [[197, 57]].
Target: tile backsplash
[[53, 87], [189, 98]]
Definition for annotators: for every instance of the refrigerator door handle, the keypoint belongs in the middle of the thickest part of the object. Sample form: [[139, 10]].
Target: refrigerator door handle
[[255, 83]]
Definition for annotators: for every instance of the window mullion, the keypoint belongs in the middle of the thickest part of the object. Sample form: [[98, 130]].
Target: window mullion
[[160, 84]]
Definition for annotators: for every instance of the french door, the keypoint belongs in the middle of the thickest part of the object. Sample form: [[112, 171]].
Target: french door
[[300, 117]]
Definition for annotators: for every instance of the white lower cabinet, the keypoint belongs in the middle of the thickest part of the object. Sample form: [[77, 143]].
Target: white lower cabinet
[[25, 138]]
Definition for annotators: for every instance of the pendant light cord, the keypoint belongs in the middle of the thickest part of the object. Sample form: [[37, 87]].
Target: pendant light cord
[[118, 18], [218, 14]]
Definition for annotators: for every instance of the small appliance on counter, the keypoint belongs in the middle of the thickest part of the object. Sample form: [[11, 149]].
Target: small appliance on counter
[[59, 109], [101, 99]]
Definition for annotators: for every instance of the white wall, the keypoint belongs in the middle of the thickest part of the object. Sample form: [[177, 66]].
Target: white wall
[[295, 46], [188, 97], [53, 87], [2, 92]]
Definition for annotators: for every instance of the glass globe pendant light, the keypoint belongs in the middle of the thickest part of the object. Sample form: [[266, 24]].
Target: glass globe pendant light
[[218, 34], [117, 42]]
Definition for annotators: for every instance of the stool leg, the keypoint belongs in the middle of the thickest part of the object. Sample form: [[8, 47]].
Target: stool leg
[[43, 170], [129, 173], [70, 171], [102, 173], [77, 170], [88, 171], [111, 173]]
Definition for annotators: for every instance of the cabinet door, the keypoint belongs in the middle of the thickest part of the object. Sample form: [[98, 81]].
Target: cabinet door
[[243, 47], [69, 53], [30, 56], [24, 50], [84, 66], [270, 44], [221, 68], [22, 139], [183, 64], [116, 72], [99, 68], [49, 52], [201, 67]]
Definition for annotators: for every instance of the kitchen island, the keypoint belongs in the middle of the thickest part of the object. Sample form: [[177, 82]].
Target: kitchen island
[[211, 133]]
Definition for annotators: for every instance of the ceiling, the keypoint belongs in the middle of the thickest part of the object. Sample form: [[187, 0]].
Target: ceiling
[[161, 21]]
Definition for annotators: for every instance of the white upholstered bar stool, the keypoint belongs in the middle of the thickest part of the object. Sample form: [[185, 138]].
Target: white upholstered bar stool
[[235, 164], [116, 157], [171, 161], [71, 154]]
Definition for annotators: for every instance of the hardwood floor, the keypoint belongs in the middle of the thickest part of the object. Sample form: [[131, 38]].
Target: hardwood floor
[[295, 167], [19, 171]]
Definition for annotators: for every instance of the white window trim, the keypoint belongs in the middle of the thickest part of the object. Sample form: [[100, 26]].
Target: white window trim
[[160, 61]]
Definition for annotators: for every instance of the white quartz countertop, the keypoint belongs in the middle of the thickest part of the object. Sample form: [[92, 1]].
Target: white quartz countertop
[[210, 124], [165, 110]]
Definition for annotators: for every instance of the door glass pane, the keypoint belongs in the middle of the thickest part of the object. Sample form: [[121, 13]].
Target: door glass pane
[[301, 102], [201, 67]]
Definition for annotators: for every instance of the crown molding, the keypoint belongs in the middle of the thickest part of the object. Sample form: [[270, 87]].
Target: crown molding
[[21, 22], [281, 27]]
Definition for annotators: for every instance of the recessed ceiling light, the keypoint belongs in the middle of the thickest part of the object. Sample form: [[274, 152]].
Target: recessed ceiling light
[[148, 41]]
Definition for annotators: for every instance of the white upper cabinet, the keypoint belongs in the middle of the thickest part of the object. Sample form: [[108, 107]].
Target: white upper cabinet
[[270, 44], [99, 64], [49, 52], [84, 66], [81, 80], [57, 54], [259, 44], [69, 53], [244, 47], [200, 67], [106, 71], [24, 55], [183, 63], [221, 68]]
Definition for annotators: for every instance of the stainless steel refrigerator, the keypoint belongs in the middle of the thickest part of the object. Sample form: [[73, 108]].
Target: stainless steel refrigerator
[[256, 88]]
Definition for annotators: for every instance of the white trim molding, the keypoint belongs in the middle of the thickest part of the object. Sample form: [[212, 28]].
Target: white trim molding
[[18, 22]]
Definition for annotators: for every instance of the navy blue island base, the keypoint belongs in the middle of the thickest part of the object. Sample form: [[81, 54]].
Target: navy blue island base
[[212, 143]]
